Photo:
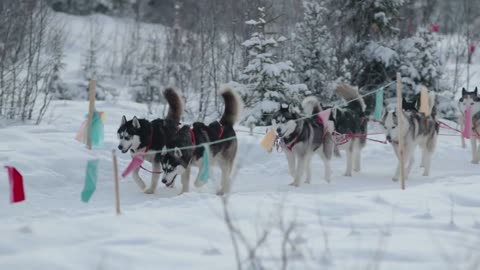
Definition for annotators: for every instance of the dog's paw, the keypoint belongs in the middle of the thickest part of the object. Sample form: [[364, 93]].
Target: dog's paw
[[395, 178], [149, 190], [199, 183], [307, 181], [220, 193], [294, 184], [347, 174], [425, 174], [356, 170]]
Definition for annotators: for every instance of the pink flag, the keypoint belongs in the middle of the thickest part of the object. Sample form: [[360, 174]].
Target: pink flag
[[136, 162], [435, 28], [81, 132], [473, 46], [467, 131], [17, 194], [323, 116]]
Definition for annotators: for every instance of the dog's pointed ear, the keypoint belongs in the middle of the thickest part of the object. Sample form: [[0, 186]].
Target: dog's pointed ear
[[476, 91], [177, 152], [135, 122], [464, 91], [164, 150], [124, 120], [284, 107]]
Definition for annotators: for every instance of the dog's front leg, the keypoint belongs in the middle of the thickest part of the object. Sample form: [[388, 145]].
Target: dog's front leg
[[475, 154], [155, 177], [357, 148], [409, 157], [396, 176], [308, 170], [186, 180], [291, 162], [138, 180], [300, 169]]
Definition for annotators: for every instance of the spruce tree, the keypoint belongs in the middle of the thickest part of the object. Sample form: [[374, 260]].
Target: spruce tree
[[264, 77], [315, 54]]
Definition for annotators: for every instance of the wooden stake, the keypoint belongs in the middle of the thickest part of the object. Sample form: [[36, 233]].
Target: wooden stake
[[400, 130], [115, 179], [91, 108]]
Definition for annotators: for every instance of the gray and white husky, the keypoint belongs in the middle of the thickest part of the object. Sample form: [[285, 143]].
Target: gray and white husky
[[302, 138], [471, 99], [149, 137], [351, 119], [223, 154], [417, 130]]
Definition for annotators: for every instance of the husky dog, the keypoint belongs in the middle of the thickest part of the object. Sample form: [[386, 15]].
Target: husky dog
[[472, 99], [351, 119], [180, 160], [302, 138], [418, 129], [143, 136]]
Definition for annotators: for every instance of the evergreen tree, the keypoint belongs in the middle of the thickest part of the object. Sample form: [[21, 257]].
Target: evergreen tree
[[315, 54], [265, 85], [372, 56], [420, 62]]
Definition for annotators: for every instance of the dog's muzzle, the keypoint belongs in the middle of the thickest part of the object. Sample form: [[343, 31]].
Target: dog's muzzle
[[120, 147], [164, 181]]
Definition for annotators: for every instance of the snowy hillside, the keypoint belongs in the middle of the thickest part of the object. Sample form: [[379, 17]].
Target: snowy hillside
[[360, 222]]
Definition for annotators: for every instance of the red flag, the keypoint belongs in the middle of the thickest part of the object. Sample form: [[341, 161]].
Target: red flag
[[473, 46], [435, 28], [16, 185]]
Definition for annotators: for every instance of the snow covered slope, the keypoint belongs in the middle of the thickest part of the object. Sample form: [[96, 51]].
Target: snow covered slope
[[366, 219]]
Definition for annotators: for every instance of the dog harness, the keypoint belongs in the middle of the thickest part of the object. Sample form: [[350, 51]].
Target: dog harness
[[192, 134]]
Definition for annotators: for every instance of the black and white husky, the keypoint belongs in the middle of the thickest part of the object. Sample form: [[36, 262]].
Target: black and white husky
[[417, 130], [302, 138], [143, 136], [471, 99], [351, 119], [180, 160]]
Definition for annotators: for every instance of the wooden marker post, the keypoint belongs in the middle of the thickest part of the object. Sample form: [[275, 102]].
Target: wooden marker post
[[400, 131], [115, 179], [91, 108]]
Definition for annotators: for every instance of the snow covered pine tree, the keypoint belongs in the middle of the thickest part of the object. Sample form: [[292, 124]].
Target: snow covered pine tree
[[265, 87], [315, 54]]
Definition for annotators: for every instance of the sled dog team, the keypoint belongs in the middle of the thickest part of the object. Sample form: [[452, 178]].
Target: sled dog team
[[173, 148]]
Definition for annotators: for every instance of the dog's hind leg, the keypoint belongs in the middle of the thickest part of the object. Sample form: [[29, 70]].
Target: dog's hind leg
[[226, 169], [396, 176], [155, 178], [327, 167], [138, 180], [186, 180], [308, 171]]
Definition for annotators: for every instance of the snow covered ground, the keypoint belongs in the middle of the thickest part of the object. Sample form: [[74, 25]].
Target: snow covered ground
[[366, 220]]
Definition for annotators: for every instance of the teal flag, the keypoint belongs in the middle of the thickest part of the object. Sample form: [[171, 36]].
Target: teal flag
[[90, 180], [378, 104], [96, 130], [206, 165]]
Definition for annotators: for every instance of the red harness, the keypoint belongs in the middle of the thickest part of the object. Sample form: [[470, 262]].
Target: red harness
[[146, 150], [325, 130]]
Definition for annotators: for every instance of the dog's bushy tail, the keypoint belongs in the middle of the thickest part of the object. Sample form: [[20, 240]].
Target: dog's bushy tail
[[175, 104], [311, 105], [233, 106], [351, 95]]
